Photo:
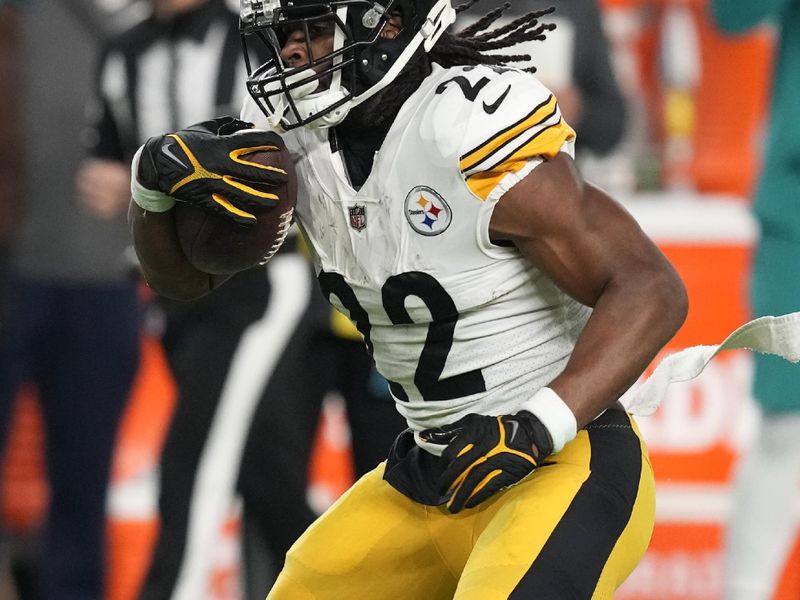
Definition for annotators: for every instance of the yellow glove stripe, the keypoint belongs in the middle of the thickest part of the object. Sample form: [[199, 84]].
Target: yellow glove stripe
[[500, 448], [460, 479], [485, 481], [464, 450], [248, 189], [231, 208], [236, 155], [200, 171], [466, 472]]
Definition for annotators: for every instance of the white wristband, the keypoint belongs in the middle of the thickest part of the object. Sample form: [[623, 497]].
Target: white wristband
[[150, 200], [554, 414]]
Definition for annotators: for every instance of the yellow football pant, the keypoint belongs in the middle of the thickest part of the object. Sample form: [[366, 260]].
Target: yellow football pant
[[574, 529]]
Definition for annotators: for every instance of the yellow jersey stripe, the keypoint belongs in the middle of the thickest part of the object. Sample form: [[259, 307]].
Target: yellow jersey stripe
[[546, 143], [539, 115]]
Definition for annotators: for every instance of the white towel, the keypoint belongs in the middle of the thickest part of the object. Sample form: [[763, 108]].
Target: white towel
[[771, 335]]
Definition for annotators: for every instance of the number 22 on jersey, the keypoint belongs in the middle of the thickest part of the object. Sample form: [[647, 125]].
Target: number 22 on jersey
[[438, 341]]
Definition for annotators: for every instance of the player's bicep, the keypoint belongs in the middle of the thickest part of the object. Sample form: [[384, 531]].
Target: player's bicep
[[572, 231]]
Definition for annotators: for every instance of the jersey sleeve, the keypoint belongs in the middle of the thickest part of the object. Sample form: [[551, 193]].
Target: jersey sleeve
[[514, 124]]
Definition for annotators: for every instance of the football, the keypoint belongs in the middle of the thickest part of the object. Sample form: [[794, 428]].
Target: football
[[216, 245]]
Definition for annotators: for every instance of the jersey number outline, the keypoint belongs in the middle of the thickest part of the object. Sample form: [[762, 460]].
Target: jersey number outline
[[439, 339], [471, 90]]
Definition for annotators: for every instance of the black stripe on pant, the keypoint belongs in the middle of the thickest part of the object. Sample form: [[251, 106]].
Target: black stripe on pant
[[571, 562]]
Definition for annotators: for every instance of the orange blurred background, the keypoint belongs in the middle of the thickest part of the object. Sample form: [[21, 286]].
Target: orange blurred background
[[705, 133]]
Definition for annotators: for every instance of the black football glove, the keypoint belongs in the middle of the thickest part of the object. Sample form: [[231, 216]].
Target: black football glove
[[486, 454], [203, 165]]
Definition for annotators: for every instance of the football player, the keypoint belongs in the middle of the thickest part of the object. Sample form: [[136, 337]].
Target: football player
[[508, 302]]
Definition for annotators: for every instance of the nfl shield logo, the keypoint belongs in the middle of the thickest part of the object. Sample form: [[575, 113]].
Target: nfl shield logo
[[358, 217]]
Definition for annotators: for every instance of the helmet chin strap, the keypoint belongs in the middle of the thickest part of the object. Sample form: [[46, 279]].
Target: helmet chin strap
[[278, 112], [314, 103], [307, 101]]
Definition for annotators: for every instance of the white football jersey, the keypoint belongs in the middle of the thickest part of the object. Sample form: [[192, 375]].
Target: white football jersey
[[456, 323]]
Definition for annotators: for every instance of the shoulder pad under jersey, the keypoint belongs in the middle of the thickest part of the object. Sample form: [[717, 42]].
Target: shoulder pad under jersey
[[493, 120]]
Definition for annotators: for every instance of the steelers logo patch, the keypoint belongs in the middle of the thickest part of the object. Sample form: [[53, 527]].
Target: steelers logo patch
[[426, 211]]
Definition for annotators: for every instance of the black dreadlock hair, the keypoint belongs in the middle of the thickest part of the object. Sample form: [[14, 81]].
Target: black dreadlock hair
[[465, 47], [470, 45]]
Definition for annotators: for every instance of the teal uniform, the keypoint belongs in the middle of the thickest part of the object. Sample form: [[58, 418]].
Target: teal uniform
[[775, 285]]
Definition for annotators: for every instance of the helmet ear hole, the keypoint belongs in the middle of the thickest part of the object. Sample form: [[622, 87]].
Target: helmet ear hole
[[375, 61]]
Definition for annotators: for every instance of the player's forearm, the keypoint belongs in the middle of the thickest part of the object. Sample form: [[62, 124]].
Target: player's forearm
[[633, 318], [164, 265]]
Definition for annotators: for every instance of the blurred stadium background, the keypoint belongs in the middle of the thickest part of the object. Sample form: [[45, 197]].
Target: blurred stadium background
[[686, 170]]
